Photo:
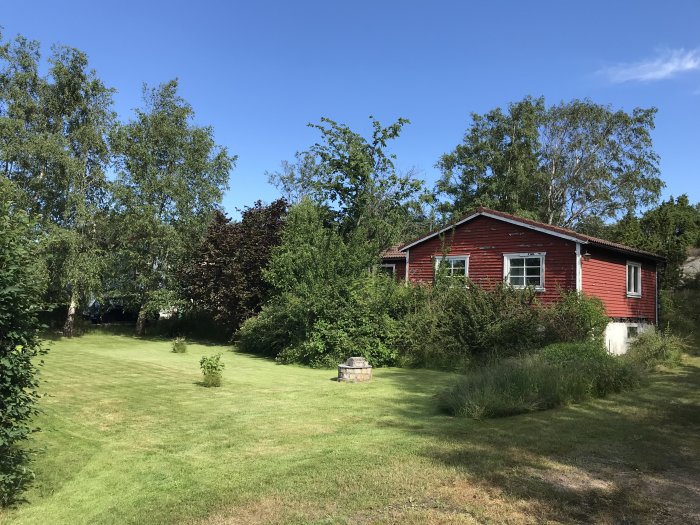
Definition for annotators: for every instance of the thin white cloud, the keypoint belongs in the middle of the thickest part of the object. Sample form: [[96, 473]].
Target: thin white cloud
[[665, 64]]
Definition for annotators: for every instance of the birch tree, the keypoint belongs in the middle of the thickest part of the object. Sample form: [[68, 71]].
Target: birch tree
[[171, 177], [561, 164]]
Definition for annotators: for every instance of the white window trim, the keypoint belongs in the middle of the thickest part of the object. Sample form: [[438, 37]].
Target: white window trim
[[506, 268], [389, 265], [639, 278], [464, 258]]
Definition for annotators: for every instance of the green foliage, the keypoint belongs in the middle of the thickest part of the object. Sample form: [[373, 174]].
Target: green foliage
[[212, 367], [574, 317], [171, 176], [560, 164], [179, 345], [653, 347], [224, 275], [20, 288], [355, 180], [53, 131], [559, 375], [680, 311], [327, 305], [449, 326]]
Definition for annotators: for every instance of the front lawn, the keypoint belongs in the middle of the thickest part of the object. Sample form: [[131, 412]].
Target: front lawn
[[130, 436]]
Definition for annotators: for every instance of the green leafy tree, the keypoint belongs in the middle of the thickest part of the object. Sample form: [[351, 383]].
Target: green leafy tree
[[325, 304], [669, 230], [356, 179], [561, 164], [171, 177], [53, 143], [21, 281]]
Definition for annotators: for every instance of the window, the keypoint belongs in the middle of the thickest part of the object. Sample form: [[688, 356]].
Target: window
[[454, 265], [632, 331], [634, 279], [389, 269], [524, 269]]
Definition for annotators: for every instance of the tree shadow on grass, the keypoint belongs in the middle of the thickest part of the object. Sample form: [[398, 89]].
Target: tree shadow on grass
[[634, 457]]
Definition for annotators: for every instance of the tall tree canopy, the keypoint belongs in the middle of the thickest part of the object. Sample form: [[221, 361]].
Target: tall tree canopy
[[356, 179], [171, 178], [669, 230], [53, 145], [560, 164]]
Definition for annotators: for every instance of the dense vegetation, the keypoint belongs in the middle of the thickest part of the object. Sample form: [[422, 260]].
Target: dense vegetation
[[20, 285], [296, 279]]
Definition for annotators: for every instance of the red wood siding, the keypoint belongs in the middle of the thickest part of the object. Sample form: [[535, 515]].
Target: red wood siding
[[605, 276], [485, 240], [399, 267]]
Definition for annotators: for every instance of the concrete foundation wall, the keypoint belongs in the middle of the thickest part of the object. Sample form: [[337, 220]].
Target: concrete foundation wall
[[618, 334]]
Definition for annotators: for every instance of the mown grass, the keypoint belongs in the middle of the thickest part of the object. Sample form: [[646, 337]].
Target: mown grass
[[130, 436]]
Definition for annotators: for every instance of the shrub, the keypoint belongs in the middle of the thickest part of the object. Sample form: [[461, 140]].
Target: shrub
[[327, 306], [558, 375], [212, 367], [19, 344], [593, 365], [180, 345], [653, 347], [575, 317], [453, 326]]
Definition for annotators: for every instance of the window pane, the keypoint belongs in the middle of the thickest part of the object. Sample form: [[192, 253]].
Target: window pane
[[389, 270], [629, 279], [533, 281], [637, 271], [517, 262], [533, 261], [458, 263], [517, 281], [517, 272], [533, 272]]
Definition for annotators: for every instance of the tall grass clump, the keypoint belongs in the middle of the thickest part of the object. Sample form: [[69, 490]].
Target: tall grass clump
[[653, 347], [179, 345], [559, 375]]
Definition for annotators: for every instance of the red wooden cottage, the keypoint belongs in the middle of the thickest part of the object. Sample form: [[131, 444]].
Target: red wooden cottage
[[490, 246]]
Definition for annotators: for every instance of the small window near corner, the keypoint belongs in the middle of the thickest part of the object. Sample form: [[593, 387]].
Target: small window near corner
[[634, 279], [632, 332], [389, 269]]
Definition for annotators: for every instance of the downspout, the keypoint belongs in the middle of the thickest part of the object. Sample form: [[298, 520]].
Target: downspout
[[579, 268], [657, 293], [406, 277]]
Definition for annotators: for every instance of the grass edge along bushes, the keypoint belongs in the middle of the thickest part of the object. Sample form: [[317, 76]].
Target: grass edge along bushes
[[559, 374]]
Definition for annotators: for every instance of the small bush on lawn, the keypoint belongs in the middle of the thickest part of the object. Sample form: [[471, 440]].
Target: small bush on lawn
[[559, 375], [654, 347], [179, 345], [212, 367]]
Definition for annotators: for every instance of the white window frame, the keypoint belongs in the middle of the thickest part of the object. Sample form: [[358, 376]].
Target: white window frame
[[464, 258], [638, 280], [506, 269], [389, 265]]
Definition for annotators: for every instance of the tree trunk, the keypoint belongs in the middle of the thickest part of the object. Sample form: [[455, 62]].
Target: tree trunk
[[141, 323], [69, 325]]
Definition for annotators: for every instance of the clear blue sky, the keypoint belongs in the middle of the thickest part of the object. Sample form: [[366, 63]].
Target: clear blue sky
[[259, 71]]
